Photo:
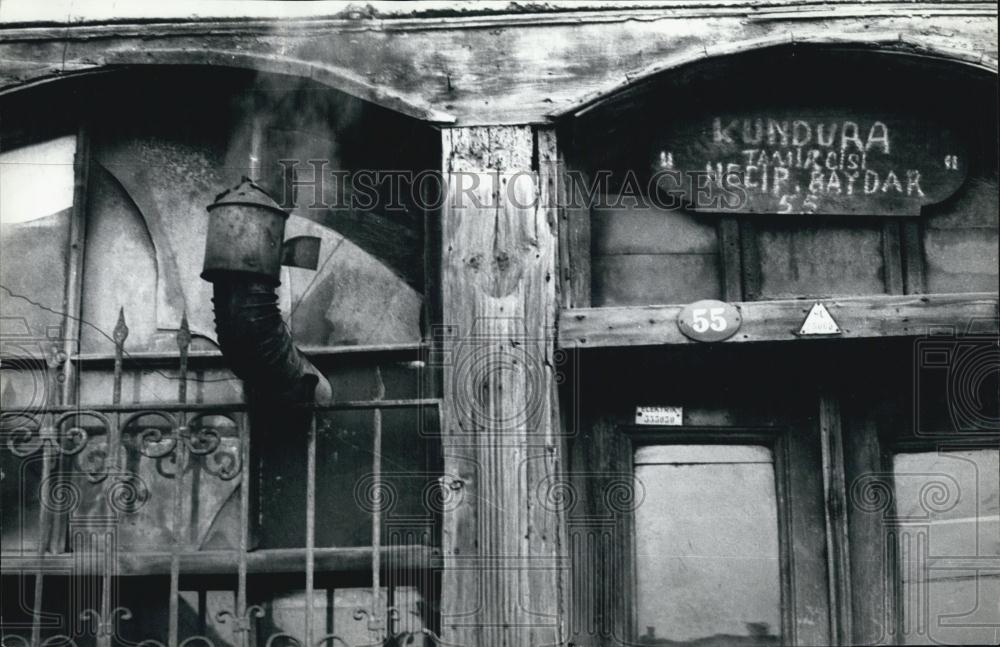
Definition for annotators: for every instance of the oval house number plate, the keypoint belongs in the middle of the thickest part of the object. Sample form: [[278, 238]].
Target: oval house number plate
[[709, 320]]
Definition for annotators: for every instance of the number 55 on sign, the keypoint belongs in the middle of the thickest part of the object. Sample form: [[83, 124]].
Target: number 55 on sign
[[709, 320]]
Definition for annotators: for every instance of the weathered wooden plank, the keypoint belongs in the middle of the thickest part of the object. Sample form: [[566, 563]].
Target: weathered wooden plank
[[811, 621], [798, 260], [480, 13], [869, 489], [601, 603], [858, 317], [977, 203], [576, 235], [838, 556], [892, 258], [554, 182], [524, 70], [650, 230], [961, 259], [646, 279], [914, 263], [749, 260], [498, 287], [730, 259]]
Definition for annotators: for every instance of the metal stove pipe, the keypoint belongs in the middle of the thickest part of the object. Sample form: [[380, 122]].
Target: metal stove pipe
[[243, 258]]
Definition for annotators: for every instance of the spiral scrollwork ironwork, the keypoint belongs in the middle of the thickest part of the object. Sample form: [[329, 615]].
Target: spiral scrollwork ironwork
[[106, 625], [127, 493], [200, 441], [241, 623], [200, 438]]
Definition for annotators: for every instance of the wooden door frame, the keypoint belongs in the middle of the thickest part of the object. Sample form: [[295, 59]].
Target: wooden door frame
[[774, 438]]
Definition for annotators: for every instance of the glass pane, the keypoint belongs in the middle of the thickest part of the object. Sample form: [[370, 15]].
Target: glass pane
[[156, 168], [344, 481], [948, 507], [707, 546], [36, 201], [19, 496], [680, 454]]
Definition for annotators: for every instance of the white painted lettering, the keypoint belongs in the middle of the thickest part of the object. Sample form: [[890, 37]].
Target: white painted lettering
[[801, 133], [913, 182], [892, 181], [722, 135], [777, 130], [871, 181], [878, 135]]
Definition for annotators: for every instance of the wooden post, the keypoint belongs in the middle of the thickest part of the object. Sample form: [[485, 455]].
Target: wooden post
[[837, 538], [502, 541], [730, 258]]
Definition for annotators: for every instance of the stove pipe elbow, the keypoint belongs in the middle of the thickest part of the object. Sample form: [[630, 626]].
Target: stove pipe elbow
[[243, 258]]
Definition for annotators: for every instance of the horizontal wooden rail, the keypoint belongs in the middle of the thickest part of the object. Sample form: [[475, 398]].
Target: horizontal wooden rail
[[223, 562], [217, 409], [858, 317], [213, 358]]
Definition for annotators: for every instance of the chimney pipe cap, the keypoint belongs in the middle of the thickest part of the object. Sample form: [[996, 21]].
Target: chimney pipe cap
[[247, 193]]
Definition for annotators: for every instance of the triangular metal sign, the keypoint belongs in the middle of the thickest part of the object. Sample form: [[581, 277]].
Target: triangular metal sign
[[819, 322]]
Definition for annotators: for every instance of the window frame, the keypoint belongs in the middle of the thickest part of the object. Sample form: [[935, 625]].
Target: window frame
[[776, 440]]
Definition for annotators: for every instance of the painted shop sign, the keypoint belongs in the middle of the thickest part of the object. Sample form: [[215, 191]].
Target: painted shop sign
[[822, 162]]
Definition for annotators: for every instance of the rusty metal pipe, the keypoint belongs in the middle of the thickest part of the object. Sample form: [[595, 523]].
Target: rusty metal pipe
[[257, 345], [242, 261]]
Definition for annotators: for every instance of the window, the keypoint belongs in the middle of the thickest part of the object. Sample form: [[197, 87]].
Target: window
[[142, 500], [948, 542], [725, 537], [36, 200], [708, 566]]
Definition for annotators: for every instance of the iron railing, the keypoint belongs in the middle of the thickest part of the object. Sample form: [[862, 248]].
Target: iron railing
[[88, 442]]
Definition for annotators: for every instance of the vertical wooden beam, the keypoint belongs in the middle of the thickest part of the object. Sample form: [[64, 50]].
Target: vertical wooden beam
[[551, 465], [74, 263], [892, 257], [834, 489], [750, 256], [501, 584], [72, 300], [914, 269], [870, 495], [730, 264], [573, 211], [561, 193]]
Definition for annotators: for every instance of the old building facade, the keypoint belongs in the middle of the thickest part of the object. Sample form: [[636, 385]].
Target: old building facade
[[630, 323]]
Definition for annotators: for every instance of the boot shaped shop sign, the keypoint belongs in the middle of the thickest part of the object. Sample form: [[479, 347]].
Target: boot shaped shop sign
[[822, 162]]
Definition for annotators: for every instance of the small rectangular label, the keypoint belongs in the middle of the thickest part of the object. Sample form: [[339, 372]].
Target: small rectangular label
[[667, 416]]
